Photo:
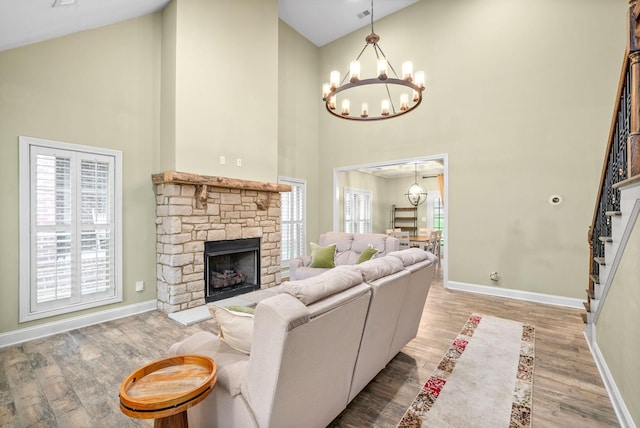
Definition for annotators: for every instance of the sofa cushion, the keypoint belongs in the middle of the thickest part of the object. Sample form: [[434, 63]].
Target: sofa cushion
[[410, 256], [367, 254], [323, 257], [333, 281], [377, 268], [235, 325]]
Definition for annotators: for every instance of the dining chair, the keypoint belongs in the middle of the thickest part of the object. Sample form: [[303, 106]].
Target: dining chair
[[424, 231], [403, 237], [434, 243]]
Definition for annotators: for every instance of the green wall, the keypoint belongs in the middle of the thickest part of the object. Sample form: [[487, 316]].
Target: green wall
[[298, 111], [97, 88], [520, 96]]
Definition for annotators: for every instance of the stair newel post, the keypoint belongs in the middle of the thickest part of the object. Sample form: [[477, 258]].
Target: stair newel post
[[633, 149]]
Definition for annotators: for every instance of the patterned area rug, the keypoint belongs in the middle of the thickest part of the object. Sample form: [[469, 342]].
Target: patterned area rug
[[485, 379]]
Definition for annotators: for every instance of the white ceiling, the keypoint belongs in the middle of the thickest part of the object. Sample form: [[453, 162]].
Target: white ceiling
[[23, 22], [424, 168]]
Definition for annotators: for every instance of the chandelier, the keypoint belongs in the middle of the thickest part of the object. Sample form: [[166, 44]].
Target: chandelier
[[415, 193], [383, 86]]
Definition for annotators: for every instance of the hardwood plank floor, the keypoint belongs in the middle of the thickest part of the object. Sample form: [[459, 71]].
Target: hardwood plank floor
[[72, 379]]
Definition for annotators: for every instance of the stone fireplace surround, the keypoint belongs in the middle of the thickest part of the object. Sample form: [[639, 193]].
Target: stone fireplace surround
[[192, 209]]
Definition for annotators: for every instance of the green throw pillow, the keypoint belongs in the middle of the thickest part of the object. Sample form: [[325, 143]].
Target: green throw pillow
[[367, 254], [323, 257]]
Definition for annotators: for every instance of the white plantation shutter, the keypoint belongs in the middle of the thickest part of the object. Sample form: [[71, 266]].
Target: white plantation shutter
[[293, 221], [357, 211], [69, 224]]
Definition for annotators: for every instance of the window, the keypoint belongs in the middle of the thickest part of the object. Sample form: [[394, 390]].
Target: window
[[357, 211], [438, 214], [293, 219], [70, 233]]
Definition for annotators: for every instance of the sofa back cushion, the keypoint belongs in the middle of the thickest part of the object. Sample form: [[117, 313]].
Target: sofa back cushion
[[333, 281], [349, 246], [410, 256], [379, 267]]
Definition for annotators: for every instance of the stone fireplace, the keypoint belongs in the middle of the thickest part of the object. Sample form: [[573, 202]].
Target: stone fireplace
[[192, 210]]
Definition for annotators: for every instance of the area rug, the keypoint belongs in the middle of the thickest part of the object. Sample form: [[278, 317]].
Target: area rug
[[485, 379]]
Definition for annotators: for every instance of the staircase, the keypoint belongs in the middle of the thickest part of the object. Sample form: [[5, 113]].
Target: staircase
[[616, 202]]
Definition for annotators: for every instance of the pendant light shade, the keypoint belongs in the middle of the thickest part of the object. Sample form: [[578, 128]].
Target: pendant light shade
[[416, 195]]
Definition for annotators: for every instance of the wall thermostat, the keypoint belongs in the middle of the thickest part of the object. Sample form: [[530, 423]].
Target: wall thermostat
[[555, 199]]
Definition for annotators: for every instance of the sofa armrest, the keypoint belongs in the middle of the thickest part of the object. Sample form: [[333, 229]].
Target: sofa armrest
[[296, 263]]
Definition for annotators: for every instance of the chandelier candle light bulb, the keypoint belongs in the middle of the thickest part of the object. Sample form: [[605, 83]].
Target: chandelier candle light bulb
[[334, 80], [384, 107], [382, 69], [407, 71], [404, 102], [365, 110], [345, 107], [325, 91], [420, 79], [354, 72]]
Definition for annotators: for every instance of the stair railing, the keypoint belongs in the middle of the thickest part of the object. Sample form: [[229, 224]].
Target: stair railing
[[622, 157]]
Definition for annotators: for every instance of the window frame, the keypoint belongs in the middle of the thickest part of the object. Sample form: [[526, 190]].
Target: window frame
[[301, 183], [28, 148], [369, 201]]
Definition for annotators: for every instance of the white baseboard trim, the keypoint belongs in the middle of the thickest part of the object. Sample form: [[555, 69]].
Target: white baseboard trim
[[48, 329], [622, 412], [547, 299]]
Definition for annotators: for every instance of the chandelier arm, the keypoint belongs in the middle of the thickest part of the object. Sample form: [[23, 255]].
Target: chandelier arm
[[362, 51], [393, 107]]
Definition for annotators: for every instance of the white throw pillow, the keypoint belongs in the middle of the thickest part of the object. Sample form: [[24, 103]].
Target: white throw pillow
[[236, 326]]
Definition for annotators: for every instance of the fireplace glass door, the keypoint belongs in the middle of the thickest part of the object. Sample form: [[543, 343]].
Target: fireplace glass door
[[232, 267]]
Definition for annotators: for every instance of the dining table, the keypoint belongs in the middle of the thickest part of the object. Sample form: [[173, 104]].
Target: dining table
[[419, 241]]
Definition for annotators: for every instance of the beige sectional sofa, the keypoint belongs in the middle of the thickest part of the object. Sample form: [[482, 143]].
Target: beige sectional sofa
[[349, 246], [316, 344]]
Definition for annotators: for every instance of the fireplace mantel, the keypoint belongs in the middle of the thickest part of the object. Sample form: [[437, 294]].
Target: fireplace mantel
[[224, 182]]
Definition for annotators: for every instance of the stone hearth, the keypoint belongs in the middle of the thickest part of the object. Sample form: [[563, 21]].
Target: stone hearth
[[192, 209]]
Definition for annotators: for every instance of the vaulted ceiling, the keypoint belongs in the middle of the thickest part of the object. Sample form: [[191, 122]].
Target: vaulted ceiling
[[23, 22]]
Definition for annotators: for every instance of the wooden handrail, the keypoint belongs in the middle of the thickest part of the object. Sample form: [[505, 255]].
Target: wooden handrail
[[612, 130]]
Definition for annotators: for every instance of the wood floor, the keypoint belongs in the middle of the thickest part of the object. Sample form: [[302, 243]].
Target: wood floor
[[72, 379]]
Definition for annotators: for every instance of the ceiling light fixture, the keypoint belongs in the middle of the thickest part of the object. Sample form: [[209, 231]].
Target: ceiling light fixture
[[415, 193], [384, 83]]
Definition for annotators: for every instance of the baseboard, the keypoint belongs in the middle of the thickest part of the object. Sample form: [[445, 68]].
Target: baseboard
[[48, 329], [529, 296], [622, 412]]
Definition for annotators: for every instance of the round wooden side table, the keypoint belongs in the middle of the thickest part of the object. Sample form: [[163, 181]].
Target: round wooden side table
[[164, 389]]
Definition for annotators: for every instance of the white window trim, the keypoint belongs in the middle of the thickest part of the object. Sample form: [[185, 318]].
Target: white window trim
[[296, 182], [362, 193], [25, 241]]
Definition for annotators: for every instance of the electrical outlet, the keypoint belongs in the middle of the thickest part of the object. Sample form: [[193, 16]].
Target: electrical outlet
[[494, 276], [223, 160], [239, 162], [139, 285]]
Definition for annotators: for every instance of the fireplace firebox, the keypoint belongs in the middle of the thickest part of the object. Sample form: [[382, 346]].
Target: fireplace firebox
[[231, 267]]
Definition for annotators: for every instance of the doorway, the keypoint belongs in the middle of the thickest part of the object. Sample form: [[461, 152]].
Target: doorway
[[387, 183]]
